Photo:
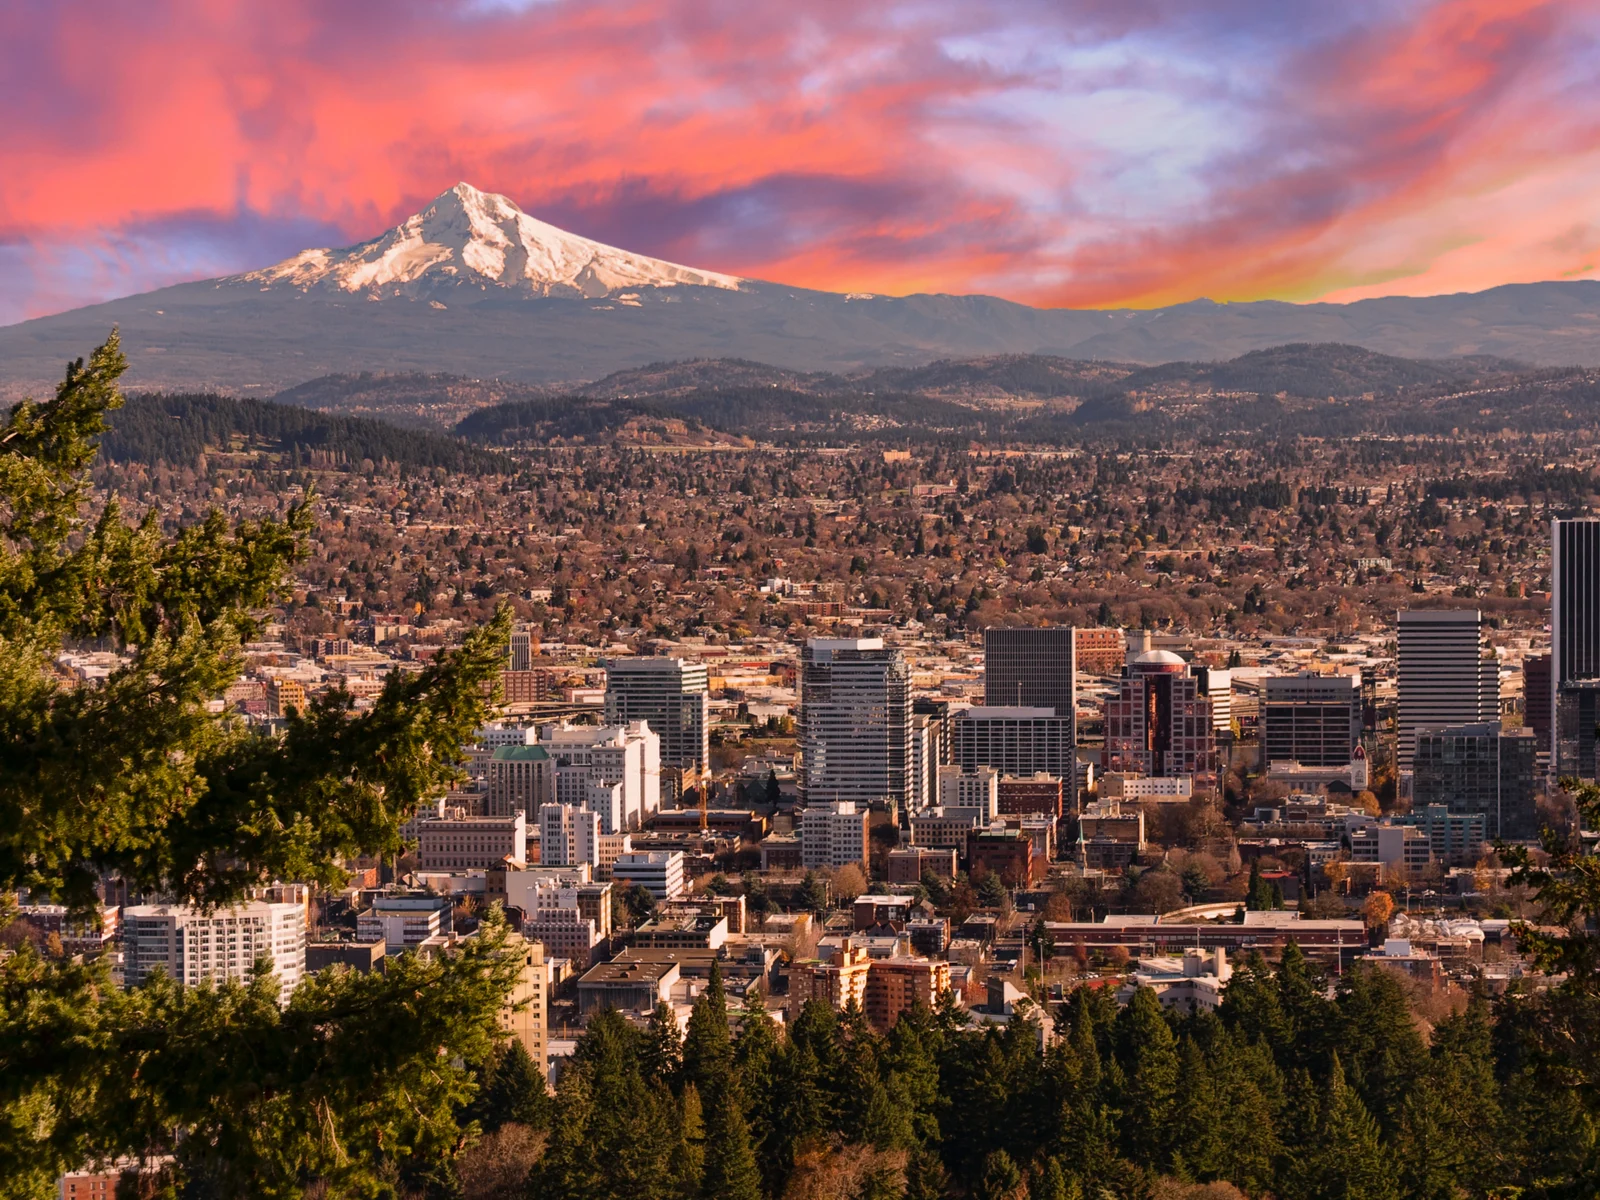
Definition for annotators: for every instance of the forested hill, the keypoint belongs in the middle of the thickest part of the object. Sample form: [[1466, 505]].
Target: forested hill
[[177, 429]]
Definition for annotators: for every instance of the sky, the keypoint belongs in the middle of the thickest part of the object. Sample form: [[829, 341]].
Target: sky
[[1087, 153]]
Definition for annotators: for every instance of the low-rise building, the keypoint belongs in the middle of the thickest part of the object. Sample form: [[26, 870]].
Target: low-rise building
[[471, 843], [659, 872], [945, 828], [705, 931], [908, 864], [896, 985], [836, 981], [1028, 795]]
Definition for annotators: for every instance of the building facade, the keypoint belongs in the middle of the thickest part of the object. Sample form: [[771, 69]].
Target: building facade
[[1159, 723], [1311, 719], [1030, 667], [978, 788], [1014, 741], [195, 947], [614, 770], [833, 834], [1447, 676], [520, 778], [659, 872], [568, 835], [855, 722], [471, 843], [669, 694], [1480, 769], [1575, 644], [1099, 651]]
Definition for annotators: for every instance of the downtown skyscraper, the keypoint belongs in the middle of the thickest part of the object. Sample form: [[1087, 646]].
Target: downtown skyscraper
[[1447, 675], [855, 722], [1574, 645]]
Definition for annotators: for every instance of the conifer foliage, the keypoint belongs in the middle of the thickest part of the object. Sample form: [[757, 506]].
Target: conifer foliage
[[360, 1083]]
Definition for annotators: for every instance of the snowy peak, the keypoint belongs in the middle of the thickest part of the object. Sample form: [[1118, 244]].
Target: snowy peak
[[480, 239]]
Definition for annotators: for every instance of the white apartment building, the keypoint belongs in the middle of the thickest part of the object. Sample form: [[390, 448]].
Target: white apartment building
[[194, 947], [659, 871], [833, 834], [568, 835], [493, 737], [978, 788], [627, 755], [471, 843]]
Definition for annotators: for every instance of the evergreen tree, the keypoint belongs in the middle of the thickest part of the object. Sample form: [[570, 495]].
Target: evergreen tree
[[1347, 1160], [661, 1053], [513, 1090], [1000, 1179], [731, 1172], [707, 1049], [688, 1167], [1050, 1182], [1149, 1060], [926, 1178], [360, 1078]]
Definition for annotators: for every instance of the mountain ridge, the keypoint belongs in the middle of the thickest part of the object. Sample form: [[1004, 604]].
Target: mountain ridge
[[472, 286]]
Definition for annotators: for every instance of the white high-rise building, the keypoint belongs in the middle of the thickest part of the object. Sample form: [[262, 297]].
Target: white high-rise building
[[833, 834], [568, 835], [978, 788], [673, 697], [855, 722], [592, 762], [1447, 674], [195, 947]]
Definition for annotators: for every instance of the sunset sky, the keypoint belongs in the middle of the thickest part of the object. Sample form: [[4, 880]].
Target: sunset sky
[[1091, 153]]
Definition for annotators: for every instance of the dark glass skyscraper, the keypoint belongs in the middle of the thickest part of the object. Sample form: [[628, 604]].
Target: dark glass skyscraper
[[1575, 643], [1030, 667]]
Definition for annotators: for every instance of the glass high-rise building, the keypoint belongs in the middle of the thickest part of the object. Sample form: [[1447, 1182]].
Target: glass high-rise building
[[855, 722], [673, 696], [1575, 644], [1030, 667]]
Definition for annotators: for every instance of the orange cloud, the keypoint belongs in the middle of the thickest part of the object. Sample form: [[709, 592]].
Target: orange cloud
[[906, 146]]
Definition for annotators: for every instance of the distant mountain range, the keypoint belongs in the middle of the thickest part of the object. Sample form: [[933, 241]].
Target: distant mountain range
[[471, 286]]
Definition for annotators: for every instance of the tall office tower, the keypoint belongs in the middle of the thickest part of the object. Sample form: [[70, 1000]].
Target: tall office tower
[[1446, 676], [1575, 643], [672, 695], [855, 722], [1159, 722], [1314, 720], [1014, 741], [524, 649], [1538, 696], [1029, 667]]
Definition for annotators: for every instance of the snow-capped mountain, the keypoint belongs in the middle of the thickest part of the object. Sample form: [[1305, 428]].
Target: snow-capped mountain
[[480, 239]]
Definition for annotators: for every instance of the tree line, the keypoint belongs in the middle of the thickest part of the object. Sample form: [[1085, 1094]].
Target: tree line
[[1283, 1091]]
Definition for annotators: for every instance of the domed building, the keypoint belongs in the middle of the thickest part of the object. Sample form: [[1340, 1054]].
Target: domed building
[[1159, 723]]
